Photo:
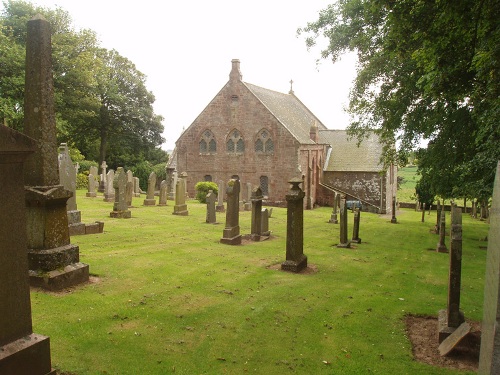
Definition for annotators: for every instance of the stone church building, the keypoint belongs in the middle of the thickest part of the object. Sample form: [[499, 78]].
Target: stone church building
[[266, 138]]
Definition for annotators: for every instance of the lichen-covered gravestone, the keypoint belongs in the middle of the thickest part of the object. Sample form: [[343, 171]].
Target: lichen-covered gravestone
[[180, 207], [231, 234], [120, 207], [150, 196], [163, 193], [210, 200], [109, 194]]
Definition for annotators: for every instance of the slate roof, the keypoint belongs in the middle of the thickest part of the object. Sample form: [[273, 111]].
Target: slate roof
[[289, 111], [346, 156]]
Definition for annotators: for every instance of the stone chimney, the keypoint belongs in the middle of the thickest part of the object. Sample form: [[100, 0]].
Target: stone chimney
[[314, 132], [235, 74]]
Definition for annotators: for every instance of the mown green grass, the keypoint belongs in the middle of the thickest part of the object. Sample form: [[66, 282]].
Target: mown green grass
[[169, 298], [406, 192]]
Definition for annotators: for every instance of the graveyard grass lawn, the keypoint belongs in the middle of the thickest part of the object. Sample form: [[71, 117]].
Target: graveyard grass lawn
[[165, 296]]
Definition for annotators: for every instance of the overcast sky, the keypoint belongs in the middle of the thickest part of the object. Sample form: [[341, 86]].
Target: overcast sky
[[185, 49]]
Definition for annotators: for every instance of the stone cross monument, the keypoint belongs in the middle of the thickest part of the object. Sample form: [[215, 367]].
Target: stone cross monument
[[231, 234]]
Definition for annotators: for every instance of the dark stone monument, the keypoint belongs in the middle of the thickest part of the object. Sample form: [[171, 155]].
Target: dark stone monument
[[231, 234], [336, 202], [256, 223], [441, 246], [180, 207], [489, 358], [120, 207], [344, 242], [438, 216], [423, 212], [210, 199], [355, 227], [451, 318], [150, 196], [54, 263], [393, 209], [295, 261], [22, 352]]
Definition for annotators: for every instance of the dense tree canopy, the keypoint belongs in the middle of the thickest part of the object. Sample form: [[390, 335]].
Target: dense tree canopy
[[103, 107], [426, 69]]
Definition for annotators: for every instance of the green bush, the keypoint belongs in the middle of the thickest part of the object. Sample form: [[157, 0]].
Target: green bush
[[142, 170], [82, 180], [202, 189], [85, 166]]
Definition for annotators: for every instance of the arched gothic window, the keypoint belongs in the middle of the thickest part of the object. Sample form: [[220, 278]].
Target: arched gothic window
[[235, 143], [207, 142], [264, 142]]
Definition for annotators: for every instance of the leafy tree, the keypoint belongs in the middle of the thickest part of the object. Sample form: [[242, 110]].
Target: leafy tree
[[425, 69]]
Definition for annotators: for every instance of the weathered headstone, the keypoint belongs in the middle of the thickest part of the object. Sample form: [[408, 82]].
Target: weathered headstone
[[355, 227], [451, 318], [180, 207], [150, 196], [248, 197], [22, 352], [231, 234], [109, 194], [344, 242], [210, 199], [441, 246], [120, 207], [54, 263], [129, 188], [163, 193], [489, 358], [91, 193], [393, 219], [438, 215], [265, 223], [336, 202], [220, 197], [137, 187], [93, 170], [172, 184], [256, 223], [295, 261], [67, 175], [102, 183]]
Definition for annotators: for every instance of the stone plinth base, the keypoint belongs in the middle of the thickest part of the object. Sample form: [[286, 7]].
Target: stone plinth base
[[61, 278], [236, 240], [441, 248], [295, 265], [346, 245], [91, 195], [357, 240], [220, 208], [51, 259], [255, 237], [121, 214], [149, 202], [443, 330], [91, 228], [27, 356], [76, 229], [109, 198], [181, 209], [333, 219]]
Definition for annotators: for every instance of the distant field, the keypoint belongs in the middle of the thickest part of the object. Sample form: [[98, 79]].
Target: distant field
[[406, 193]]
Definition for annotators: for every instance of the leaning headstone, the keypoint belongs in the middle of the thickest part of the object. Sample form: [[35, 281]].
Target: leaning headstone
[[265, 223], [344, 242], [441, 246], [451, 318], [220, 197], [163, 193], [102, 183], [489, 357], [91, 187], [210, 199], [295, 261], [355, 227], [120, 207], [231, 234], [336, 202], [256, 222], [180, 207], [22, 352], [393, 219], [150, 196], [54, 263], [67, 176], [109, 194]]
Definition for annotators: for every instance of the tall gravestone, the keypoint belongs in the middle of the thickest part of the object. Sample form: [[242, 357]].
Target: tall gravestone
[[180, 207], [67, 176], [393, 219], [333, 217], [295, 261], [256, 223], [120, 207], [91, 192], [220, 197], [54, 263], [210, 200], [344, 242], [163, 193], [489, 358], [231, 234], [150, 196], [129, 188], [248, 197], [355, 227], [451, 318], [264, 223], [22, 352], [438, 215], [137, 187], [109, 194], [102, 182], [441, 246]]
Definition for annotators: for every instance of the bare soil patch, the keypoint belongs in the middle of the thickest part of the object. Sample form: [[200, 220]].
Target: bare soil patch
[[422, 332]]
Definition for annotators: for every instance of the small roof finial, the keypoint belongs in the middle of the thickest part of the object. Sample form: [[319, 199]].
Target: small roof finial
[[291, 87]]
